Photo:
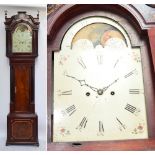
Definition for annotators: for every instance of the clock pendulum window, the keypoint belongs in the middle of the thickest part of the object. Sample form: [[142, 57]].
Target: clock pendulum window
[[98, 85], [22, 49]]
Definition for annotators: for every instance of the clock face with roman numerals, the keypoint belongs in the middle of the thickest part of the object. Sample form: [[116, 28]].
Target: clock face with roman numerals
[[98, 89], [22, 39]]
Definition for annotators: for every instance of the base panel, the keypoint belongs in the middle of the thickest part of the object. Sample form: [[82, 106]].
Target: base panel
[[22, 129]]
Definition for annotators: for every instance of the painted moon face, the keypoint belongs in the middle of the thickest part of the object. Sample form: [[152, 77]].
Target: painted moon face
[[110, 34], [83, 44], [115, 43]]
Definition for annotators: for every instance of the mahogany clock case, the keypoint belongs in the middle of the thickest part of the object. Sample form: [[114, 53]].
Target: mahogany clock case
[[139, 27], [23, 66]]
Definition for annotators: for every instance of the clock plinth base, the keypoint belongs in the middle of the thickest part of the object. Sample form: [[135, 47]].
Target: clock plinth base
[[22, 129], [22, 143]]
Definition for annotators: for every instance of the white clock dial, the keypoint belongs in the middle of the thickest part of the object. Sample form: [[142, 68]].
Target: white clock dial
[[98, 84], [22, 39], [98, 95]]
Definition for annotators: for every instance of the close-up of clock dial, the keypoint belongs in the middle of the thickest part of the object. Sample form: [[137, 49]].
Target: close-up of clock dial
[[101, 77], [98, 94]]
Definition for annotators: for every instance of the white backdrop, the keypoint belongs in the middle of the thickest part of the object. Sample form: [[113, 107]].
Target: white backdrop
[[40, 77]]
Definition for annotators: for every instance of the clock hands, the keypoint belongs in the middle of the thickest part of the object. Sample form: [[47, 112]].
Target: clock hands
[[105, 88], [83, 83], [99, 91]]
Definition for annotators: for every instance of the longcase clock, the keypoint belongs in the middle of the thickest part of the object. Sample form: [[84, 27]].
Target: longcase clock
[[22, 49]]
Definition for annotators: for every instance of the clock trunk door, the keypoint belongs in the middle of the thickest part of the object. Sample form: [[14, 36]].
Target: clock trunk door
[[22, 74]]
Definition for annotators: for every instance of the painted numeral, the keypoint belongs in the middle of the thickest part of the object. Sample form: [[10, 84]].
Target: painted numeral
[[116, 63], [122, 126], [81, 62], [100, 59], [68, 92], [131, 73], [83, 123], [136, 91], [130, 108], [101, 128], [70, 110]]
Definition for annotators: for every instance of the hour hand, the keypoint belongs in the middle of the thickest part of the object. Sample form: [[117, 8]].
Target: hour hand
[[93, 88], [83, 83]]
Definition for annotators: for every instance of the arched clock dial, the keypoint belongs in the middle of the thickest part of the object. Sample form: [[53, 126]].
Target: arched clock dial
[[22, 39], [98, 88]]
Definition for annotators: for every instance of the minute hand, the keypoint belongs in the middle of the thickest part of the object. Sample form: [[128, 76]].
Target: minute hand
[[83, 83], [105, 88]]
